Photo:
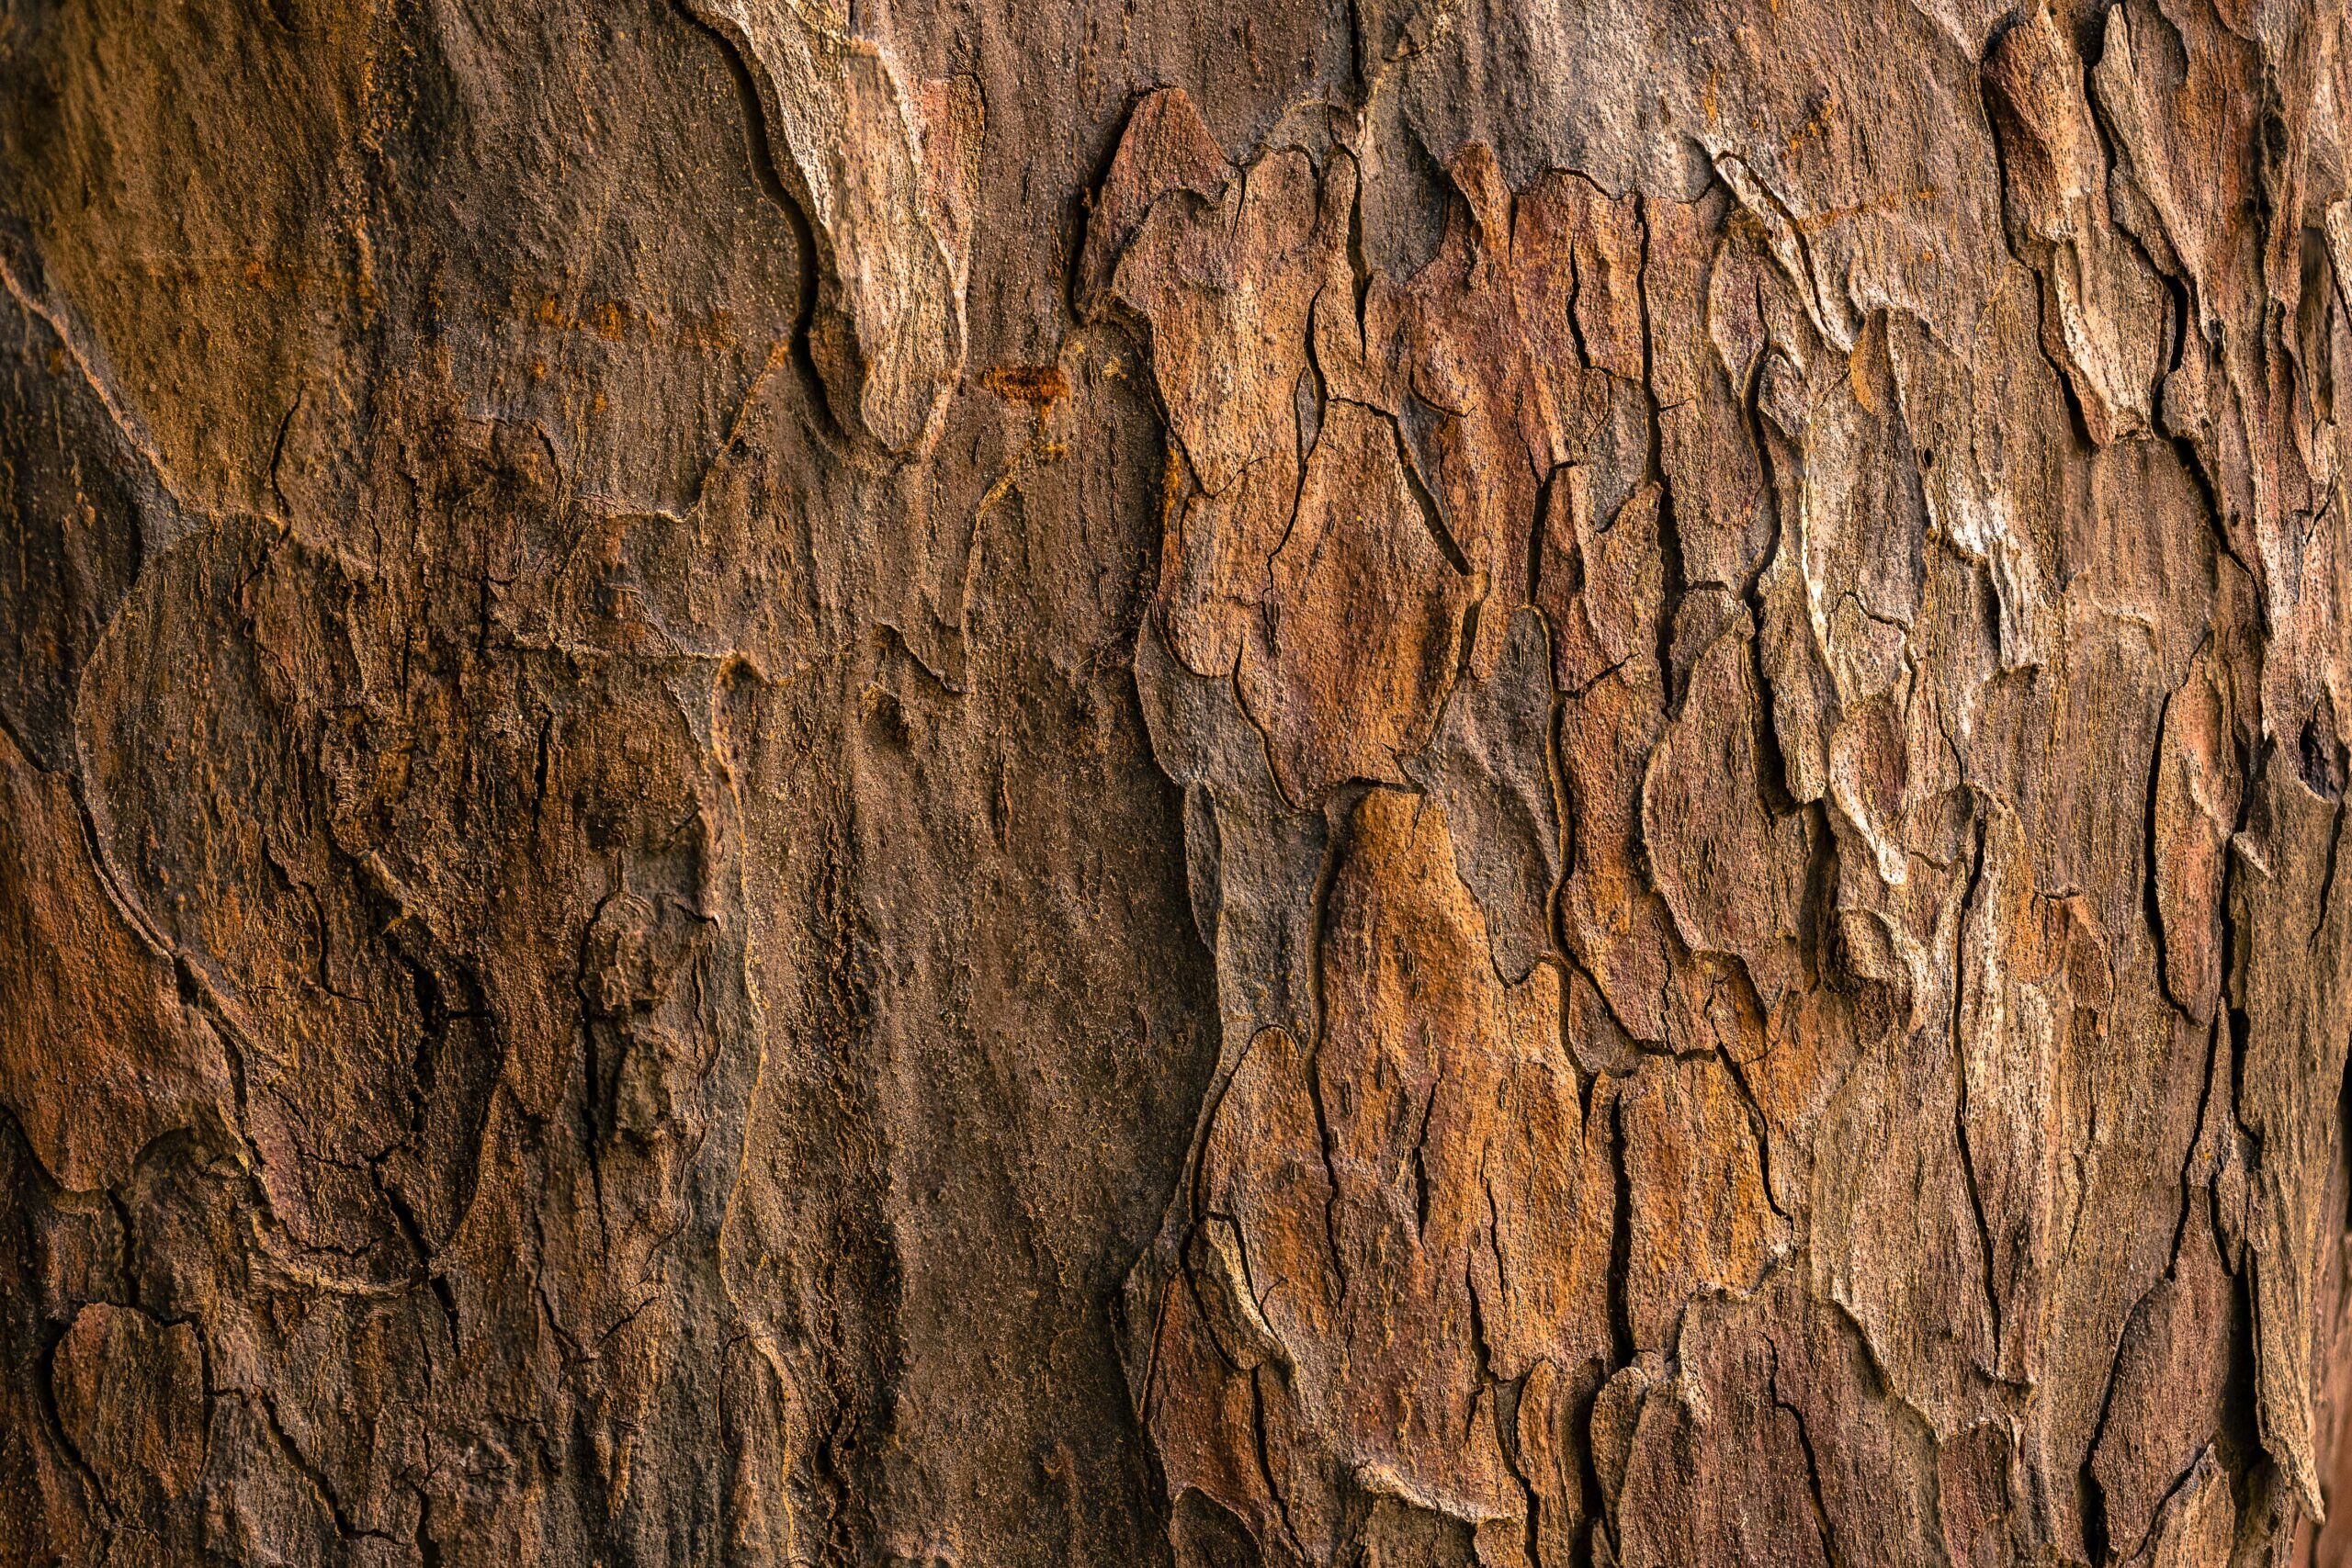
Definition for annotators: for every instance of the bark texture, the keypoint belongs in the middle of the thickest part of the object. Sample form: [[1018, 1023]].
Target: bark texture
[[1447, 783]]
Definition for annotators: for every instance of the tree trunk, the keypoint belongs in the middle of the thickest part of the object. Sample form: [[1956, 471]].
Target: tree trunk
[[1478, 782]]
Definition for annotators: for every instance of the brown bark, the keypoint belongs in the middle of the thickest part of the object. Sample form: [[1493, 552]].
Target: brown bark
[[1420, 781]]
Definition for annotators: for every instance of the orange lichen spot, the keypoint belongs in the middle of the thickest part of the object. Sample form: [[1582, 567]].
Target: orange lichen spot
[[611, 319], [1037, 386], [1171, 484]]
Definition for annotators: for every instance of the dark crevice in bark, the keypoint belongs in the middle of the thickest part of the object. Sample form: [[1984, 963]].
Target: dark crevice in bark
[[43, 1386], [2205, 1110], [1811, 1464], [2090, 1495], [1621, 1242], [1968, 913], [1266, 1458], [2151, 909], [816, 405], [1673, 584], [2252, 759], [1817, 935], [2044, 289], [1773, 764], [1422, 1166], [1503, 1397], [1425, 499], [1756, 1124], [1327, 1139], [303, 1465]]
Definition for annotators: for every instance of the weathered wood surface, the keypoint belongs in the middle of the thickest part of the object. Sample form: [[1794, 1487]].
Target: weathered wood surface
[[1466, 782]]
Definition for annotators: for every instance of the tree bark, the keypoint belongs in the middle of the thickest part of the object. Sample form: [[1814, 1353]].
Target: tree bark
[[1418, 782]]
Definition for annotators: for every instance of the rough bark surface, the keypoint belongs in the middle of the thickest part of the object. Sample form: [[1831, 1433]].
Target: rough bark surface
[[1344, 782]]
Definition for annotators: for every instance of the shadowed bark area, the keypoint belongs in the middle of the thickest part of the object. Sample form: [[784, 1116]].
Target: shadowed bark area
[[1444, 783]]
